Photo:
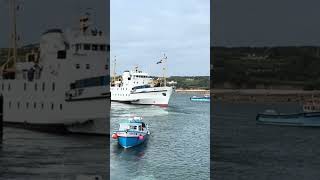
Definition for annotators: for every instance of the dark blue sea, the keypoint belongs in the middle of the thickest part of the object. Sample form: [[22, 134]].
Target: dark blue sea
[[178, 147], [244, 149], [31, 155]]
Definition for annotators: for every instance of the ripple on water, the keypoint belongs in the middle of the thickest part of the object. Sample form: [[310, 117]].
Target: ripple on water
[[178, 147]]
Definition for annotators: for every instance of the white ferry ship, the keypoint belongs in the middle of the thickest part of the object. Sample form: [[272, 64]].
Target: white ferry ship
[[62, 86], [137, 87]]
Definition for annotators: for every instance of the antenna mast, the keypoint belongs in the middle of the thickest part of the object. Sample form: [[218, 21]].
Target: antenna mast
[[14, 38], [114, 68], [164, 59], [12, 51]]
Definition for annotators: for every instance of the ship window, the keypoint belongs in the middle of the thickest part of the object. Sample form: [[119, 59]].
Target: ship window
[[31, 58], [18, 105], [77, 66], [9, 104], [52, 106], [43, 86], [78, 47], [87, 66], [42, 105], [35, 86], [27, 105], [60, 106], [61, 54], [86, 46], [91, 82], [106, 67], [102, 47], [9, 87], [25, 86], [53, 86], [94, 47], [34, 105]]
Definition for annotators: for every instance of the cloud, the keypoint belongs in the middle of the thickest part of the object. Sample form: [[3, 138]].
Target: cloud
[[142, 31]]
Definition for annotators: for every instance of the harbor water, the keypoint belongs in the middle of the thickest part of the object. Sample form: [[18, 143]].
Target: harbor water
[[31, 155], [178, 147], [243, 149]]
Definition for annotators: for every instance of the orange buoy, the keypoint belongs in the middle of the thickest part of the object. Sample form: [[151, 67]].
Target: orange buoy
[[114, 136]]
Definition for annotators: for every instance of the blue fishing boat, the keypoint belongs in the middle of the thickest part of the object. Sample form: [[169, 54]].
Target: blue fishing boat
[[205, 98], [132, 132], [297, 119]]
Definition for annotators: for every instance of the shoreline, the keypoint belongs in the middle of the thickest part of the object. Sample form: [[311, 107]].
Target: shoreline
[[262, 95], [192, 91]]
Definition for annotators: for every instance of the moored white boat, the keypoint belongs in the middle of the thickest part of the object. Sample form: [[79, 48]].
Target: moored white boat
[[205, 98], [297, 119]]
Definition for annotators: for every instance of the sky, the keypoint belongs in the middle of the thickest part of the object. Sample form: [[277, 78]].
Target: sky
[[37, 16], [265, 22], [143, 30]]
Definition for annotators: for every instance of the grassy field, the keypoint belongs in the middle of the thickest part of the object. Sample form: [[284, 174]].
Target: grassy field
[[267, 67]]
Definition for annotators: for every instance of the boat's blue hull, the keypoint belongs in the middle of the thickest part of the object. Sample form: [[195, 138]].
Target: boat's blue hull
[[128, 142], [200, 99], [299, 119]]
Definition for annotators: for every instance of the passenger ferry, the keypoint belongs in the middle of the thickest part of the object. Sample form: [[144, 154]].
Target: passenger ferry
[[61, 86], [131, 132], [137, 87]]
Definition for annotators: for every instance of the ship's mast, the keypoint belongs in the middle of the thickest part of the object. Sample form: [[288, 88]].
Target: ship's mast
[[114, 69], [14, 38], [12, 51], [164, 61]]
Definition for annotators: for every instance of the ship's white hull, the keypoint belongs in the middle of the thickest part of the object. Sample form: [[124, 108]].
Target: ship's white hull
[[85, 117], [46, 110], [157, 96]]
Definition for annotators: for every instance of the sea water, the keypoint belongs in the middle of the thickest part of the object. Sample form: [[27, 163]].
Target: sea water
[[178, 147]]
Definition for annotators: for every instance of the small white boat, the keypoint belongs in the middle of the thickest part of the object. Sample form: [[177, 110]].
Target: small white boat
[[205, 98], [296, 119]]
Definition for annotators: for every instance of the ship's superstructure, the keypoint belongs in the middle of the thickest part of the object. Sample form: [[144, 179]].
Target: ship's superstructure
[[137, 87], [63, 84]]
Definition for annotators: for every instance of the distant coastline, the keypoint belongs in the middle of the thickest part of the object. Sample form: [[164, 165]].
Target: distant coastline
[[292, 67], [193, 91], [263, 95]]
